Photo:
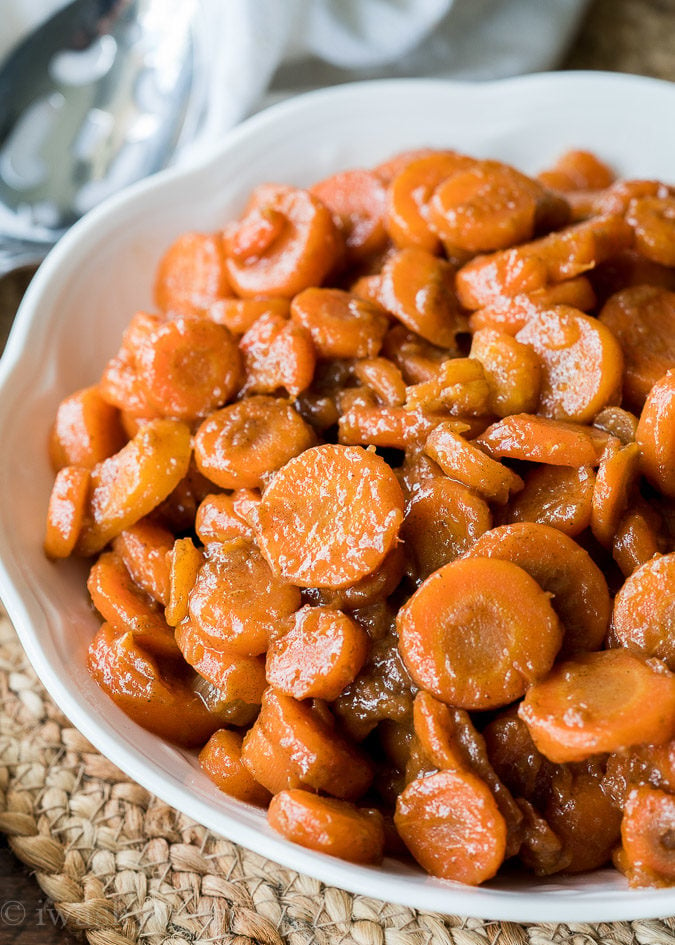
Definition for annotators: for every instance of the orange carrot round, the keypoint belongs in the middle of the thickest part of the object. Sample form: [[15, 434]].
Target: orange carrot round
[[643, 610], [66, 510], [656, 435], [220, 759]]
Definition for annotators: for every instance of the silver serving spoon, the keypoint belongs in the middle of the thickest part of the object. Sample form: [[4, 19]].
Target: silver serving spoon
[[99, 96]]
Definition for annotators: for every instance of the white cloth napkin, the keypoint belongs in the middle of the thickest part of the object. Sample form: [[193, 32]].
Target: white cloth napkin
[[260, 50]]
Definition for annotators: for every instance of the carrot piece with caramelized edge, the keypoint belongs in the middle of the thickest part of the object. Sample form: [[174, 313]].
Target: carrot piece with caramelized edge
[[66, 510], [637, 537], [656, 436], [477, 632], [185, 562], [451, 824], [144, 547], [559, 496], [643, 610], [615, 483], [470, 465], [330, 516], [600, 702], [220, 759], [646, 855], [460, 387], [318, 656], [542, 440], [191, 275], [87, 429], [328, 825], [512, 371], [384, 378]]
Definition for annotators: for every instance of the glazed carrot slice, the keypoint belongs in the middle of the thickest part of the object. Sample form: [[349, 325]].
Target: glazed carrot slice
[[653, 221], [510, 314], [340, 324], [126, 608], [656, 435], [129, 485], [512, 370], [318, 656], [66, 510], [143, 548], [188, 367], [470, 465], [642, 318], [277, 354], [330, 516], [642, 615], [559, 496], [617, 422], [542, 440], [647, 857], [185, 561], [450, 823], [373, 589], [384, 378], [442, 520], [615, 484], [235, 447], [220, 760], [418, 289], [571, 344], [636, 539], [460, 387], [578, 170], [286, 242], [87, 429], [236, 601], [327, 825], [240, 680], [395, 427], [238, 315], [358, 201], [600, 702], [417, 359], [218, 520], [563, 569], [388, 169], [121, 384], [477, 632], [191, 275]]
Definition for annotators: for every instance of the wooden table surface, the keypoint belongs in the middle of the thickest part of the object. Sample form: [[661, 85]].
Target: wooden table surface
[[618, 35]]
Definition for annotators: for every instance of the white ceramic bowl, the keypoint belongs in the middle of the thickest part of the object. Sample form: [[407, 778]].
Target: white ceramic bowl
[[70, 323]]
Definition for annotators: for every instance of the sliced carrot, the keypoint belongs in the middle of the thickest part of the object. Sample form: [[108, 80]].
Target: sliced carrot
[[218, 520], [87, 429], [653, 220], [143, 548], [460, 387], [371, 590], [395, 427], [239, 680], [642, 318], [220, 759], [559, 496], [617, 422], [642, 617], [470, 465], [656, 436], [330, 516], [238, 315], [191, 275], [600, 702], [388, 169], [477, 632], [327, 825], [510, 314], [417, 359], [542, 440], [277, 354], [450, 823], [358, 201], [121, 384], [562, 568], [340, 324], [647, 856], [578, 170], [66, 510], [298, 251], [384, 378], [512, 370], [185, 561], [571, 344], [236, 601], [318, 656], [235, 447], [637, 538], [615, 484]]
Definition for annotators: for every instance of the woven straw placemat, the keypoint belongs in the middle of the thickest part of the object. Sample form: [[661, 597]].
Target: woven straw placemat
[[124, 867]]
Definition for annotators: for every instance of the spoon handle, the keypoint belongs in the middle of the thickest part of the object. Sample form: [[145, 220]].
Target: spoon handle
[[17, 253]]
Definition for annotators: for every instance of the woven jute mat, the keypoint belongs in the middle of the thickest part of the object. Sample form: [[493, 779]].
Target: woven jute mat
[[123, 867]]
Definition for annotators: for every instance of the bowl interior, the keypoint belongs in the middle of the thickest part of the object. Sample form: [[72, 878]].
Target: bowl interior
[[84, 294]]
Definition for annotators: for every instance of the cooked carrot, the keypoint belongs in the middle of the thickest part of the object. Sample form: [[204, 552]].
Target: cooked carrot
[[512, 371], [571, 344], [563, 569], [235, 447], [510, 314], [218, 520], [66, 510], [388, 169], [318, 656], [600, 702], [653, 221], [615, 483], [340, 324], [418, 289], [277, 354], [559, 496], [313, 753], [642, 616], [143, 547], [358, 201], [637, 537], [220, 759], [191, 275], [121, 384], [236, 601], [460, 387], [129, 485], [442, 520], [542, 440], [238, 315], [371, 590], [330, 516], [578, 170], [384, 378], [470, 465], [327, 825], [297, 251], [656, 435], [417, 359], [395, 427], [87, 429], [477, 632], [617, 422], [642, 318], [647, 856], [239, 680], [185, 562], [188, 367], [450, 823]]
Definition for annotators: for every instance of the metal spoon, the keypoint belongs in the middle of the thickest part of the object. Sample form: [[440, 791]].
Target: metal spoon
[[99, 96]]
